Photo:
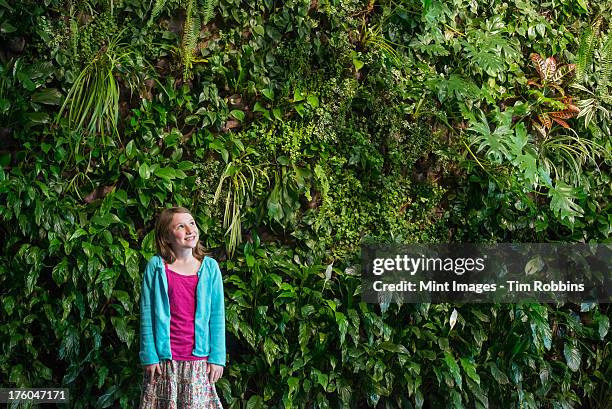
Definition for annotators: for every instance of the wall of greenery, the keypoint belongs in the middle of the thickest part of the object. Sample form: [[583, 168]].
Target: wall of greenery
[[296, 130]]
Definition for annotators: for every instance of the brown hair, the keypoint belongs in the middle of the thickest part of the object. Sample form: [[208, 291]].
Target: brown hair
[[162, 235]]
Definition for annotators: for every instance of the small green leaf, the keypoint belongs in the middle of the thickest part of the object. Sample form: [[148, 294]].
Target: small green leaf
[[534, 265], [130, 149], [300, 109], [8, 302], [7, 28], [358, 64], [144, 171], [165, 173], [38, 117], [313, 101], [268, 93], [78, 233], [124, 333], [297, 95], [238, 114], [259, 108], [270, 350], [259, 30]]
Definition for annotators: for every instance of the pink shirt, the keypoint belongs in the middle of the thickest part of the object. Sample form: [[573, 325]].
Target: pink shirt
[[181, 294]]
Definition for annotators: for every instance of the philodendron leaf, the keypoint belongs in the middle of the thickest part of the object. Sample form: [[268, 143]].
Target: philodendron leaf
[[563, 203]]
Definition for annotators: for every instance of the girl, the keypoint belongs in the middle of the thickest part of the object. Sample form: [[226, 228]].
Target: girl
[[182, 319]]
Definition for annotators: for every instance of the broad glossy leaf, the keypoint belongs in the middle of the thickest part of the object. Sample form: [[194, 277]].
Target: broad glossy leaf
[[470, 370], [498, 375], [48, 96], [453, 368], [603, 326], [144, 171], [572, 356]]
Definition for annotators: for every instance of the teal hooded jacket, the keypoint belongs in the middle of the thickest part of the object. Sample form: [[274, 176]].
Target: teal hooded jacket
[[155, 314]]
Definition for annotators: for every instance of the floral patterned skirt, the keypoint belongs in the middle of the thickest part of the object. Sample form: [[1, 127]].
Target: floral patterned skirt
[[181, 385]]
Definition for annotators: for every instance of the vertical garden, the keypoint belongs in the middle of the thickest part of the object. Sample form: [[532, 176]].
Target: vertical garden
[[296, 131]]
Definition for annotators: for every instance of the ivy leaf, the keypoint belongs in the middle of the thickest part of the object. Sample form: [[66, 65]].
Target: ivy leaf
[[259, 30], [106, 399], [124, 333], [300, 109], [275, 209], [6, 28]]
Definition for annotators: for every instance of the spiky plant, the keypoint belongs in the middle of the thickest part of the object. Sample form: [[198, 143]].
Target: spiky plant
[[240, 177], [92, 103]]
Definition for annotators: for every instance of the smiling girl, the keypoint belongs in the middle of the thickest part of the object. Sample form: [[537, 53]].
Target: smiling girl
[[182, 319]]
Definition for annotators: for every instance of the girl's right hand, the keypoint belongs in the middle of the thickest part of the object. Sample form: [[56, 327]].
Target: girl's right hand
[[152, 370]]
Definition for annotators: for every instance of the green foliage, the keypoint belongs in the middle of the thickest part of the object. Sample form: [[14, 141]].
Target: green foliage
[[314, 127], [92, 103]]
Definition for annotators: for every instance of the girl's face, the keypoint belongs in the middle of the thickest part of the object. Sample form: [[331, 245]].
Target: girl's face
[[183, 231]]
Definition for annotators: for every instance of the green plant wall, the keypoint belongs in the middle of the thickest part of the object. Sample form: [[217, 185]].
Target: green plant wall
[[295, 131]]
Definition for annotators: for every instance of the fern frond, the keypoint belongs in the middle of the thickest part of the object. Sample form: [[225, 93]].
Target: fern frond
[[157, 8], [585, 53], [191, 29], [208, 10], [605, 75]]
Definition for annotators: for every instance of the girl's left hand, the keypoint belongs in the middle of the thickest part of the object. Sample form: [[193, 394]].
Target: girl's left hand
[[214, 372]]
